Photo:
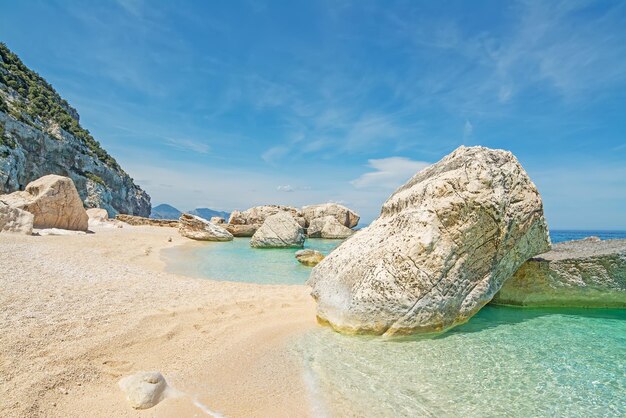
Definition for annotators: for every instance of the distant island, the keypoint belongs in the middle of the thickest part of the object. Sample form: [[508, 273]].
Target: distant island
[[166, 211]]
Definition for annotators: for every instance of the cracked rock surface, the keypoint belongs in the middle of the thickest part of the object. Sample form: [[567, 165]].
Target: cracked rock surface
[[54, 202], [444, 244], [587, 273], [279, 231]]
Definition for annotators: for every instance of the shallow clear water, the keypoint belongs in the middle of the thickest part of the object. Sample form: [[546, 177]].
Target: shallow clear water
[[238, 262], [504, 362]]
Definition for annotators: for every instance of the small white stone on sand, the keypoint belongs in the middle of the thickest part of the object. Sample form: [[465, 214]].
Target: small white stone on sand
[[144, 389]]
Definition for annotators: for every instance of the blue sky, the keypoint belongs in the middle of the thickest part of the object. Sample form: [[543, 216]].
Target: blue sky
[[233, 104]]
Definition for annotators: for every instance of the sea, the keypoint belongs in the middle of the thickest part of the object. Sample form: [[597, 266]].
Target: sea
[[504, 362]]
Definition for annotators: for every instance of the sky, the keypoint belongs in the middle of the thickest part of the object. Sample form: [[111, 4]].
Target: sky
[[233, 104]]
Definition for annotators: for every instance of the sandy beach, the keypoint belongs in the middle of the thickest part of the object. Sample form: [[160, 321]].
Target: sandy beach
[[77, 313]]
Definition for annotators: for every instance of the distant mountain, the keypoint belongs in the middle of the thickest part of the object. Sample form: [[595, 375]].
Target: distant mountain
[[207, 213], [40, 133], [165, 211]]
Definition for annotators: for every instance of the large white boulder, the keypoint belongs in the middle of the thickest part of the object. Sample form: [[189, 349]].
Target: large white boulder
[[15, 220], [587, 273], [444, 244], [279, 230], [258, 214], [195, 227], [54, 201], [344, 216], [144, 389], [328, 227]]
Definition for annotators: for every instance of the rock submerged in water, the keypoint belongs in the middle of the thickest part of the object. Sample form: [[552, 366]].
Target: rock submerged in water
[[195, 227], [241, 230], [344, 216], [279, 231], [309, 257], [144, 389], [587, 273], [54, 202], [328, 227], [15, 220], [444, 244]]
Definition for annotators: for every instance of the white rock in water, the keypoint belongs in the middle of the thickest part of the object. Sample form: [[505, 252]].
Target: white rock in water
[[241, 230], [144, 389], [279, 231], [195, 227], [587, 273], [344, 216], [328, 227], [54, 201], [444, 244], [15, 220]]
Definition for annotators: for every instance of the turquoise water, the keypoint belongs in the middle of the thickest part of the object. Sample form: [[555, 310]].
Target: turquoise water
[[504, 362], [238, 262]]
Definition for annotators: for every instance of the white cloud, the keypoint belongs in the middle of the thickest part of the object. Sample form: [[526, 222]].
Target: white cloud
[[389, 173], [275, 153], [285, 188]]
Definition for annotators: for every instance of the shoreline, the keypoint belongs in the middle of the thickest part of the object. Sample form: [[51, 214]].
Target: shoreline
[[80, 312]]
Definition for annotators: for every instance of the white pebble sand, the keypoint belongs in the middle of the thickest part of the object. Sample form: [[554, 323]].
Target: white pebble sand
[[77, 313]]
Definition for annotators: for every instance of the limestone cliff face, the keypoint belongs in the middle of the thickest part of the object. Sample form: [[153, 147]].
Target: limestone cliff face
[[40, 134]]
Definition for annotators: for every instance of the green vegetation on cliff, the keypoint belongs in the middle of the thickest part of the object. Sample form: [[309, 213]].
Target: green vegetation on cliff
[[39, 101]]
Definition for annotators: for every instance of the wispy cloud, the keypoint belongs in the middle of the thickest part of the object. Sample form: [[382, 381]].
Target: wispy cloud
[[188, 145], [285, 188], [468, 129], [389, 173]]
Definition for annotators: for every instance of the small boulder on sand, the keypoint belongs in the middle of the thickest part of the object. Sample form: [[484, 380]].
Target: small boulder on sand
[[54, 201], [279, 231], [144, 389], [195, 227], [309, 257], [15, 220]]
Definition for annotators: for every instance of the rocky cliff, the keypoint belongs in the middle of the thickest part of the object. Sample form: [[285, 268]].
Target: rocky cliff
[[40, 134]]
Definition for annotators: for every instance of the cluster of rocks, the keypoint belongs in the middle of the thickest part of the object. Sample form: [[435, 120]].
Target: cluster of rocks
[[50, 205], [143, 221], [272, 226], [448, 241]]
